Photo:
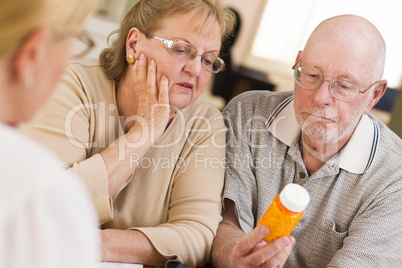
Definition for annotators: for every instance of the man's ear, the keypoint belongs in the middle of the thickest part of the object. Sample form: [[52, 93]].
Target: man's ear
[[31, 51], [133, 37], [378, 92], [299, 56]]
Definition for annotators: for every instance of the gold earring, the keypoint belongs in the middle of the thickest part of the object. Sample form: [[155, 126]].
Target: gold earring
[[130, 59]]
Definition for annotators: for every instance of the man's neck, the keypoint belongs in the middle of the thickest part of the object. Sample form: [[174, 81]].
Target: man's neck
[[316, 153]]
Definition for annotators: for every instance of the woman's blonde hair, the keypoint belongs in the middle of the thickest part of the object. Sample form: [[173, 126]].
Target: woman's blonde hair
[[148, 15], [19, 18]]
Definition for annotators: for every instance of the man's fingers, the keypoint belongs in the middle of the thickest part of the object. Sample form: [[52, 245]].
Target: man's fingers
[[283, 255], [278, 252], [246, 245], [273, 254]]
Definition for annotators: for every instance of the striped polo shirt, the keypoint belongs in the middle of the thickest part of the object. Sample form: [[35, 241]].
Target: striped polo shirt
[[354, 216]]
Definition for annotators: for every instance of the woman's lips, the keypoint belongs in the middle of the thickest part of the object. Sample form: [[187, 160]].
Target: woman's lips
[[186, 86]]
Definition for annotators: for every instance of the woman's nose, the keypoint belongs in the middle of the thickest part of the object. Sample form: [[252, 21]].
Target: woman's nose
[[194, 66]]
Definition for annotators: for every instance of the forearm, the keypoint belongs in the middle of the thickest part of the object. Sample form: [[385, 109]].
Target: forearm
[[129, 246], [228, 235], [122, 158], [146, 113]]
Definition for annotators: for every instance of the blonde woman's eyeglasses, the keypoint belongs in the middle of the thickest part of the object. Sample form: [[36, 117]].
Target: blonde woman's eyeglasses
[[82, 44]]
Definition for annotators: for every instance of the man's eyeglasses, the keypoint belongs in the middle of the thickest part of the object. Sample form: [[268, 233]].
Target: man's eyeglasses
[[341, 89], [82, 44], [185, 51]]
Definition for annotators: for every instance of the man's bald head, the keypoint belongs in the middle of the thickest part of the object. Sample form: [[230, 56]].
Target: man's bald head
[[353, 34]]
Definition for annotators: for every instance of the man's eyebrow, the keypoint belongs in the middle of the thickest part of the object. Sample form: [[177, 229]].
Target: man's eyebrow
[[344, 75]]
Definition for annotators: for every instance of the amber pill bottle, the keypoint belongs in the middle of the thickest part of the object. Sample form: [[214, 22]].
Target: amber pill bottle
[[285, 211]]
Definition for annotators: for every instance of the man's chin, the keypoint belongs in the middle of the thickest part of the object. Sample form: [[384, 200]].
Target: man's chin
[[321, 134]]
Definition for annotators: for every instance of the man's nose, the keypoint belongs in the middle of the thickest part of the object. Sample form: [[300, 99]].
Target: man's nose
[[322, 95]]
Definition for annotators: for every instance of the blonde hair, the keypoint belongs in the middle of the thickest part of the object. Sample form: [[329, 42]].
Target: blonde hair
[[148, 15], [19, 18]]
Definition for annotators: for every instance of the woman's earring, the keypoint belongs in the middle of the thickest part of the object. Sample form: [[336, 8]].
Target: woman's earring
[[130, 59]]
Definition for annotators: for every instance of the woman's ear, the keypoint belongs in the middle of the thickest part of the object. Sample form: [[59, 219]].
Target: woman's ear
[[28, 56], [134, 35], [379, 91]]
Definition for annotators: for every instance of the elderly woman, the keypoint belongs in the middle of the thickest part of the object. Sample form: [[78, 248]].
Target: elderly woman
[[44, 211], [135, 128]]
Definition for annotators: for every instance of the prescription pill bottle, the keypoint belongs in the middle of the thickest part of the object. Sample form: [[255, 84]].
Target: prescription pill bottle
[[285, 211]]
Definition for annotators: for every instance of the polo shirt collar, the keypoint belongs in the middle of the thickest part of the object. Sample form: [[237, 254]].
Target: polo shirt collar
[[357, 155]]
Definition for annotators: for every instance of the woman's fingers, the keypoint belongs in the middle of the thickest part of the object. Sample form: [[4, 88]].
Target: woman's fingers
[[151, 81], [142, 72], [164, 90], [156, 95]]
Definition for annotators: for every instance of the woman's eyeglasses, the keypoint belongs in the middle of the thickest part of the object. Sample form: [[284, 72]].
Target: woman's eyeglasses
[[185, 51]]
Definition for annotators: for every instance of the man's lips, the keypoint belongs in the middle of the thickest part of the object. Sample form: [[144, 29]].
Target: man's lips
[[318, 117]]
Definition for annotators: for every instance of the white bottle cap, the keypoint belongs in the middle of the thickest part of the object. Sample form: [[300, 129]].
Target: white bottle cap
[[294, 197]]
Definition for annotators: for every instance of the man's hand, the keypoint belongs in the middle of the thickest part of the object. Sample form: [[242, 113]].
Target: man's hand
[[252, 251], [233, 248]]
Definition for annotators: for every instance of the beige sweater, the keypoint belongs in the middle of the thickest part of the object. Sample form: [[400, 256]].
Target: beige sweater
[[174, 196]]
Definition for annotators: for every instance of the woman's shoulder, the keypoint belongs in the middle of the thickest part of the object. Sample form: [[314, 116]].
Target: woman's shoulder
[[87, 80], [87, 70]]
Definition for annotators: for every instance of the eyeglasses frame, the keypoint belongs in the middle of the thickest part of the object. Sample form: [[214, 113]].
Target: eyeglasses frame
[[169, 44], [330, 84], [86, 38]]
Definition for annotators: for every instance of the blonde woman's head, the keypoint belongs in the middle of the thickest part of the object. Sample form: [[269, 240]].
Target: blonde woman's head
[[35, 41], [148, 16], [19, 18]]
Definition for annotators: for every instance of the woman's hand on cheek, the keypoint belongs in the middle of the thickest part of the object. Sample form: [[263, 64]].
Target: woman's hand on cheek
[[153, 105]]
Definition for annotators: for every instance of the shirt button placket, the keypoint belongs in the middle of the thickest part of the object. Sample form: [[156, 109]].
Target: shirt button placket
[[300, 177]]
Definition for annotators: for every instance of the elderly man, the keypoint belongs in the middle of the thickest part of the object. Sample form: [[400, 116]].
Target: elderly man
[[322, 137]]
